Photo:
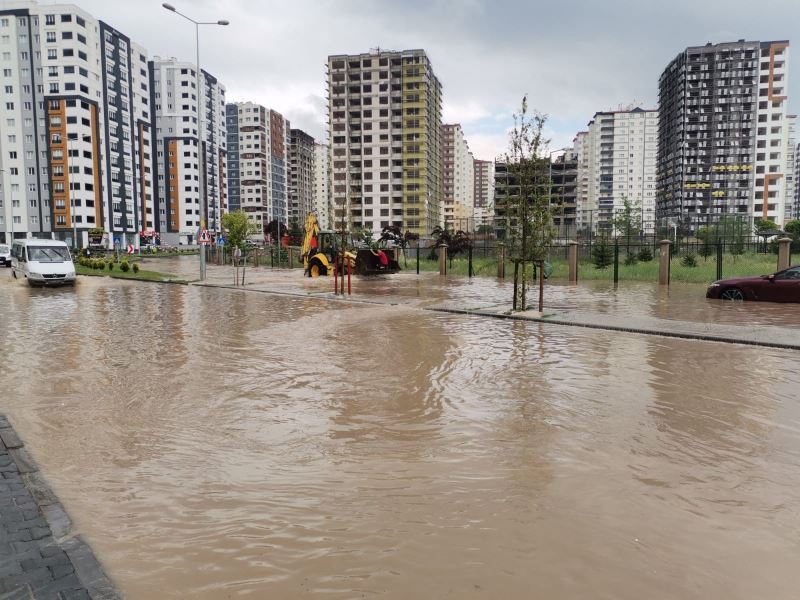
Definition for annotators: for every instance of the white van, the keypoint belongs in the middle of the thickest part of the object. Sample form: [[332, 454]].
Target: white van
[[42, 262]]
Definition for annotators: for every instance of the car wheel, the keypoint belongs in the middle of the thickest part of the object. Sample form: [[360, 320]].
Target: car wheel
[[732, 294]]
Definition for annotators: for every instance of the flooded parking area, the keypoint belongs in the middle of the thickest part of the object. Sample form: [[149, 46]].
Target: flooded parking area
[[216, 443]]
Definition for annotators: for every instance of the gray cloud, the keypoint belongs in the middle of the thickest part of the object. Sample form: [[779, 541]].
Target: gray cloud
[[572, 58]]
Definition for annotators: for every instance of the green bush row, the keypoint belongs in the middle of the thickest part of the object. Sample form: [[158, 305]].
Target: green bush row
[[100, 264]]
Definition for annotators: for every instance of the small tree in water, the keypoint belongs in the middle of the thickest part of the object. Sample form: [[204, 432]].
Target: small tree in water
[[528, 207]]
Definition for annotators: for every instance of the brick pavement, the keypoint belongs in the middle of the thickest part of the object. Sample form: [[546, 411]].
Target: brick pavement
[[38, 556]]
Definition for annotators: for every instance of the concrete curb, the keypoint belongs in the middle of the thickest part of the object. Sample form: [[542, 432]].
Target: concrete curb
[[549, 320], [87, 568]]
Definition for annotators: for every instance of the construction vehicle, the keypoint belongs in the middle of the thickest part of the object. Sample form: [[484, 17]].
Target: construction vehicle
[[320, 249]]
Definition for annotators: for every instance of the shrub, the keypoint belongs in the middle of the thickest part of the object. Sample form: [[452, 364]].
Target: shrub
[[135, 267], [602, 254], [124, 266], [631, 259], [645, 254], [110, 265], [689, 259]]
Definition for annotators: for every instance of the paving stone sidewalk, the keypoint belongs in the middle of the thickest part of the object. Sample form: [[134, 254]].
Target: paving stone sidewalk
[[39, 558]]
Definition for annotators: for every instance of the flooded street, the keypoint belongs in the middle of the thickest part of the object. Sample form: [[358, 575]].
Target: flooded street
[[213, 443]]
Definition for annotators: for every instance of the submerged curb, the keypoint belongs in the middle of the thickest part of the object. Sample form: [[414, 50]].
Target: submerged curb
[[530, 316], [87, 568], [551, 320]]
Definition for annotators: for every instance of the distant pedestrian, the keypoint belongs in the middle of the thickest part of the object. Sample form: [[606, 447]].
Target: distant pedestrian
[[237, 255]]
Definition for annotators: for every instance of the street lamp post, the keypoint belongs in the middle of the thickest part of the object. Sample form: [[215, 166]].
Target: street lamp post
[[200, 136]]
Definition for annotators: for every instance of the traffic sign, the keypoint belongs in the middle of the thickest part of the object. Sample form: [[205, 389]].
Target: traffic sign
[[220, 241], [204, 237]]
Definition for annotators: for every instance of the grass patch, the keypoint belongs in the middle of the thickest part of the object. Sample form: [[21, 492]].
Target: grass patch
[[142, 275], [704, 272]]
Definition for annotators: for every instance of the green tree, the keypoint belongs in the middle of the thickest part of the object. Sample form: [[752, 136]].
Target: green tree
[[528, 198], [627, 221], [441, 235], [602, 253], [733, 230], [793, 228], [765, 225], [708, 235], [238, 228], [275, 229]]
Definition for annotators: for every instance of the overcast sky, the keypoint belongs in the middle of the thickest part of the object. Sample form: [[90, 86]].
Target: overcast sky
[[573, 58]]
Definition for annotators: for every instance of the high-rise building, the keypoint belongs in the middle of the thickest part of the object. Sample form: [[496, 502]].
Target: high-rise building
[[483, 186], [384, 113], [582, 147], [795, 213], [301, 176], [723, 139], [322, 196], [791, 159], [178, 162], [76, 145], [458, 179], [258, 162], [248, 168], [616, 161]]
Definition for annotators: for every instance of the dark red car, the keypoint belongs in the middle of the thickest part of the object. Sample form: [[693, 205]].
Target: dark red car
[[783, 286]]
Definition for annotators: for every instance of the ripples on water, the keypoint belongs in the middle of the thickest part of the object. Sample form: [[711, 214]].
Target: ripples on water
[[213, 443]]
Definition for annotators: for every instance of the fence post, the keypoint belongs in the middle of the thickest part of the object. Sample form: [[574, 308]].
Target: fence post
[[290, 256], [784, 246], [443, 259], [663, 262], [417, 257], [501, 261], [616, 261], [469, 266], [719, 259], [573, 262]]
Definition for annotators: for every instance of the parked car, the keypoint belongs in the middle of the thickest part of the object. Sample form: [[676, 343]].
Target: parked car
[[782, 286], [5, 255]]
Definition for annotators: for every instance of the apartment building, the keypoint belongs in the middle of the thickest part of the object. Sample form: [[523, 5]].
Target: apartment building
[[564, 182], [584, 214], [258, 172], [301, 176], [791, 160], [384, 124], [76, 140], [616, 161], [795, 211], [723, 138], [483, 186], [190, 135], [322, 195], [458, 179]]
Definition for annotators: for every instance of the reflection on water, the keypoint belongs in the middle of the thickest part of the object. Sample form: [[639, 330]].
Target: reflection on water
[[212, 443]]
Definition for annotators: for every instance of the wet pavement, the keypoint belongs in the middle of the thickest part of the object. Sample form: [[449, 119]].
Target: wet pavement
[[679, 302], [210, 443]]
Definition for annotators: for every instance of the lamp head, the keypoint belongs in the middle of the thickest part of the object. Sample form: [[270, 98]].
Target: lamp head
[[223, 22], [168, 6]]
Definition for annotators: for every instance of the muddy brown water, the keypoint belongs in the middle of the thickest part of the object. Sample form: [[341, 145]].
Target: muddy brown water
[[212, 443]]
